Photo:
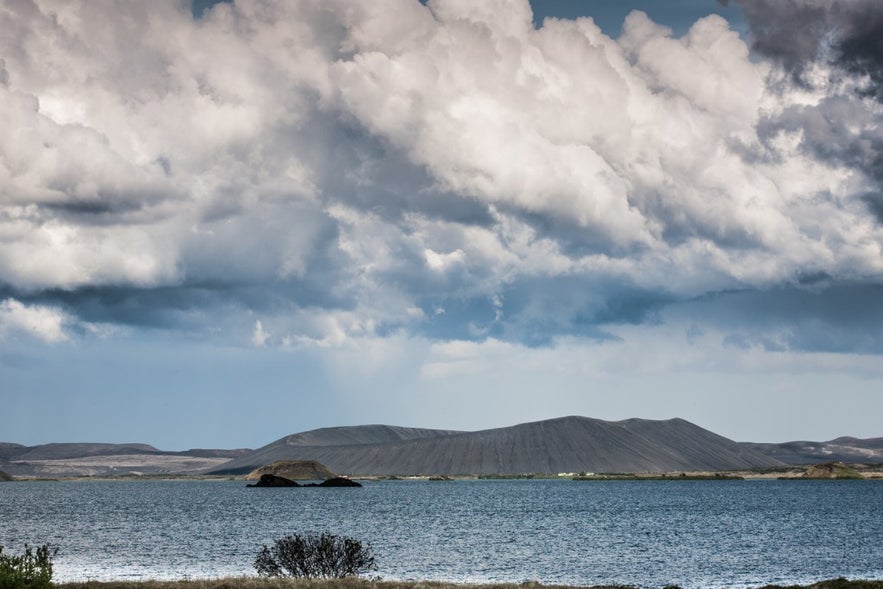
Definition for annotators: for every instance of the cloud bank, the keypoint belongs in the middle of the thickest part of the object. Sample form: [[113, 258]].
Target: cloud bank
[[285, 174]]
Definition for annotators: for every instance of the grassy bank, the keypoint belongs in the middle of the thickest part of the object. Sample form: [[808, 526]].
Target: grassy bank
[[356, 583]]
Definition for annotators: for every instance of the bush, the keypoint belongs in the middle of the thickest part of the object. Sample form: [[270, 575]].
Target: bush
[[32, 570], [313, 556]]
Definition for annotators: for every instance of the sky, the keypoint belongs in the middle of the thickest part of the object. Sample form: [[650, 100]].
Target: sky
[[221, 224]]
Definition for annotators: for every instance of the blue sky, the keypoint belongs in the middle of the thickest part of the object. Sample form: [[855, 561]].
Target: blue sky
[[222, 224]]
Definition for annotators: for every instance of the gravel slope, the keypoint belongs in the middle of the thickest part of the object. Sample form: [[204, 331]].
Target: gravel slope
[[568, 444]]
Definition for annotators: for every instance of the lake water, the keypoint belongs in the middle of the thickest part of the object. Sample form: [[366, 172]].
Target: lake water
[[645, 533]]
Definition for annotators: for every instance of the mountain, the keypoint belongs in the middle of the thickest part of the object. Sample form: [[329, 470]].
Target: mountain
[[845, 449], [65, 451], [8, 450], [568, 444], [359, 436], [89, 459]]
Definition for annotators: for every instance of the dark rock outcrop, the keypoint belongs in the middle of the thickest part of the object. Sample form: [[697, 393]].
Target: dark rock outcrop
[[4, 476], [271, 480], [339, 482], [296, 470]]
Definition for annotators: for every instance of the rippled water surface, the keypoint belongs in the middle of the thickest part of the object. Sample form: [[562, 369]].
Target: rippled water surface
[[646, 533]]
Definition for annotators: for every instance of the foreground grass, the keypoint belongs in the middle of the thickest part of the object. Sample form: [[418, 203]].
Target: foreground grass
[[357, 583], [264, 583]]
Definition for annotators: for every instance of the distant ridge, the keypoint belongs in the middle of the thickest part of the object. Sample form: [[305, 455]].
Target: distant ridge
[[64, 451], [844, 449], [567, 444], [94, 459]]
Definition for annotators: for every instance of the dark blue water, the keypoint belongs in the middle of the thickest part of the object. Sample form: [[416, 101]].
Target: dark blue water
[[645, 533]]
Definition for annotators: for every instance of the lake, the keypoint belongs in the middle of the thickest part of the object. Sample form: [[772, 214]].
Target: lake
[[695, 534]]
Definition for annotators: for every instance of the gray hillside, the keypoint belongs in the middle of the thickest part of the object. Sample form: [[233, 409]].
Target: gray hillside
[[325, 438], [362, 434], [569, 444], [63, 451], [845, 449], [91, 459], [8, 450]]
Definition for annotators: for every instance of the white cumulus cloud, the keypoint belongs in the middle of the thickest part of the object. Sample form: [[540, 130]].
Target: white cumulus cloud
[[44, 323], [346, 167]]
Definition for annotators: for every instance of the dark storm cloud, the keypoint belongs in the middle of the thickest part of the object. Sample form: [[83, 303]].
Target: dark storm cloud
[[189, 307], [377, 177], [177, 307], [847, 33], [839, 130], [537, 313], [875, 204], [825, 317], [848, 37]]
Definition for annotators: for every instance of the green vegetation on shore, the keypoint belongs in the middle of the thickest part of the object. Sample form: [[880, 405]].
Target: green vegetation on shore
[[359, 583], [30, 570]]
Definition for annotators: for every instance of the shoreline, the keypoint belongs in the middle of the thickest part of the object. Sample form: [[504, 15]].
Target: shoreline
[[362, 583], [796, 473]]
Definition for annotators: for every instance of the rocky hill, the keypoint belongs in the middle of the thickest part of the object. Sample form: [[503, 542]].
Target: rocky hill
[[90, 459], [294, 446], [7, 450], [568, 444], [66, 451], [295, 470], [844, 449], [831, 470]]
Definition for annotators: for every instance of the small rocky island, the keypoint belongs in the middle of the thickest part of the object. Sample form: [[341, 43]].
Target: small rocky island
[[284, 472], [271, 480], [296, 470]]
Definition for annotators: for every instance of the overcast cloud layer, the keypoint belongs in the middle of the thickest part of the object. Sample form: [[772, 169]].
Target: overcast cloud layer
[[300, 174]]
